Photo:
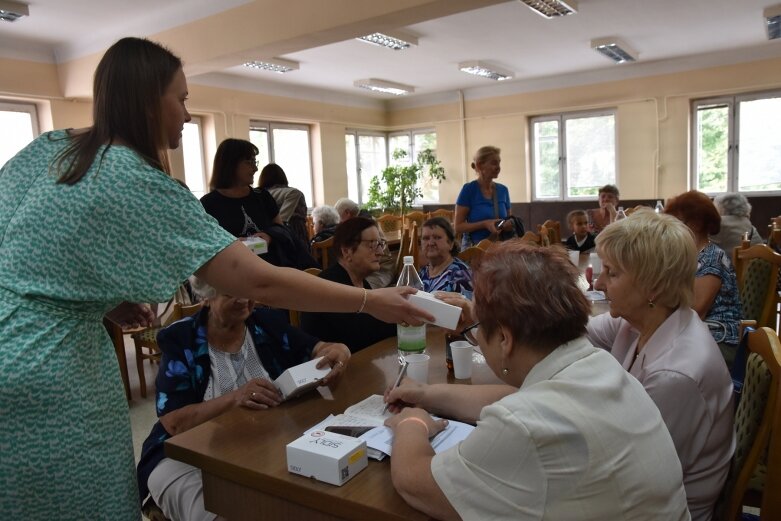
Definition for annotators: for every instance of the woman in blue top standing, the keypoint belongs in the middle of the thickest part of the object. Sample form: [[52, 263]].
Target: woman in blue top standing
[[483, 202]]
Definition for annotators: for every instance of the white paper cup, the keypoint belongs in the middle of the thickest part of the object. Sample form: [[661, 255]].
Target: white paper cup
[[462, 359], [574, 257], [418, 367], [596, 265]]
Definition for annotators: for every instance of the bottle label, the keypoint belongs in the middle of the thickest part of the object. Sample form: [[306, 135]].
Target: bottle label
[[411, 339]]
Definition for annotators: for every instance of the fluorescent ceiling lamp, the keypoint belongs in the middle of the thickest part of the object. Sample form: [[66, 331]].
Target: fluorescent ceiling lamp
[[386, 87], [552, 8], [485, 70], [276, 65], [395, 40], [12, 11], [773, 22], [615, 49]]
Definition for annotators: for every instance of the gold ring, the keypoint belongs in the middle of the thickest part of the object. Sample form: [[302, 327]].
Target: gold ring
[[253, 394]]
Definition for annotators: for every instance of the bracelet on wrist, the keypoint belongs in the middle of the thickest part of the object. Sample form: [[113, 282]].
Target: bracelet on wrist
[[363, 304]]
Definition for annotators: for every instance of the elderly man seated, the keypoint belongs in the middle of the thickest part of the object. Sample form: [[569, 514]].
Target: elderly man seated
[[224, 356]]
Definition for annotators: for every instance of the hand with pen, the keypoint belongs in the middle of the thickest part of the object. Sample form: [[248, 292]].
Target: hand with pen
[[404, 401]]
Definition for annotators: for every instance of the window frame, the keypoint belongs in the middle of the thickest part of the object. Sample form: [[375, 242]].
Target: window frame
[[31, 109], [733, 139], [269, 127], [562, 118], [198, 120]]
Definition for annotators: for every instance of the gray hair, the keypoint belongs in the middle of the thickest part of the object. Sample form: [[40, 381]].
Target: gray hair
[[202, 288], [325, 215], [346, 205], [733, 204]]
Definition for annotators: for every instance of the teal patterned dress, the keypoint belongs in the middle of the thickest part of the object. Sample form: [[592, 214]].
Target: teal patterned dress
[[68, 254]]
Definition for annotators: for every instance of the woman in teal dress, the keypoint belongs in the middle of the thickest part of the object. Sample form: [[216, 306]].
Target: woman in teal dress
[[90, 222]]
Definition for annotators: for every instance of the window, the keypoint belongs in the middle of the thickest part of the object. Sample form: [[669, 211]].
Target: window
[[735, 144], [18, 127], [288, 146], [192, 150], [368, 153], [573, 155]]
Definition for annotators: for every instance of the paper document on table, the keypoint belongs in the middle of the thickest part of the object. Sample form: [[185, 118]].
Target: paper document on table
[[379, 441]]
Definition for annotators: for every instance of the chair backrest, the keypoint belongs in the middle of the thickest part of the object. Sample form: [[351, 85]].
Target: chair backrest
[[471, 255], [554, 230], [545, 235], [757, 268], [758, 429], [321, 251], [485, 244], [447, 214], [310, 227], [180, 311], [532, 238], [389, 223], [414, 217], [294, 316], [414, 243]]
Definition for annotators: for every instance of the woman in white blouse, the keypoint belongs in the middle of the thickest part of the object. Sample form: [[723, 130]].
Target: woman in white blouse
[[648, 266], [567, 435]]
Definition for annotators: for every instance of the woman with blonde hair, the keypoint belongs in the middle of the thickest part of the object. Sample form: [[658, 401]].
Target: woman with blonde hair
[[648, 266], [483, 203]]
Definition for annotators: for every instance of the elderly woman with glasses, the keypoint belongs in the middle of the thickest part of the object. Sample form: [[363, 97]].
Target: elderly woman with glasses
[[649, 262], [567, 434], [358, 248]]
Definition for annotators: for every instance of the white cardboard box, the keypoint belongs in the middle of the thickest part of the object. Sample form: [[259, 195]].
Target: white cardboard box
[[445, 315], [327, 456], [257, 245], [300, 378]]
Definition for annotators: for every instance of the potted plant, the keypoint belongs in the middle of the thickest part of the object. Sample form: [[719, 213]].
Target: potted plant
[[397, 187]]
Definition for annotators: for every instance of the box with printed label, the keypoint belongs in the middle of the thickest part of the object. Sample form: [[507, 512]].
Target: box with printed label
[[257, 245], [327, 456], [445, 315], [300, 378]]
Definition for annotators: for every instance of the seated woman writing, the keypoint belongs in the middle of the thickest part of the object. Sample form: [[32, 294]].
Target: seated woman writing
[[444, 272], [358, 248], [224, 356], [568, 435]]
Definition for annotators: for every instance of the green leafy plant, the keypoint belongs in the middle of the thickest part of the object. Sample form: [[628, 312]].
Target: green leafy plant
[[397, 187]]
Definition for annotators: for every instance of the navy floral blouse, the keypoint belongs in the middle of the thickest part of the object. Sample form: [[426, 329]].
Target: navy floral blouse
[[185, 368]]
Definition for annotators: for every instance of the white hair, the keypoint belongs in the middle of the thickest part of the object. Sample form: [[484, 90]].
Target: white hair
[[733, 204], [325, 215], [346, 205], [202, 288]]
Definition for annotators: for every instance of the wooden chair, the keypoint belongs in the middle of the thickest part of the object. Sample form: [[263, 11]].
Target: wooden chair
[[295, 315], [145, 340], [322, 250], [485, 244], [389, 222], [310, 227], [414, 217], [756, 463], [442, 212], [117, 335], [471, 255], [554, 230], [757, 268], [545, 235], [532, 238]]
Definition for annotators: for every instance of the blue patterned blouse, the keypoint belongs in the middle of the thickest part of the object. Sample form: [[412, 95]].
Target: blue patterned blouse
[[457, 277], [724, 315]]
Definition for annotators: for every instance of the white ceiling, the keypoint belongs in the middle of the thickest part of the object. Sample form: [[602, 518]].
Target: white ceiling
[[669, 35]]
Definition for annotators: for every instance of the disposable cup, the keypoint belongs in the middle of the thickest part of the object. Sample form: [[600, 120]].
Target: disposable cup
[[462, 359], [574, 257], [418, 367]]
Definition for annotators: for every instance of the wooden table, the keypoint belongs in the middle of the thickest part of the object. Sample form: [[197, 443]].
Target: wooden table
[[242, 453]]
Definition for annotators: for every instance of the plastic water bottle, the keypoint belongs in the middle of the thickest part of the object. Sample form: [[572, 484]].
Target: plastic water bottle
[[620, 214], [659, 207], [412, 339]]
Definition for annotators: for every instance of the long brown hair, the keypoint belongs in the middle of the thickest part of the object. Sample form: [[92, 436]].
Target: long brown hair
[[129, 83]]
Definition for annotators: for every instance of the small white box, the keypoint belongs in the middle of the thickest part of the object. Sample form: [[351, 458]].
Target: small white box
[[257, 245], [327, 456], [445, 315], [300, 378]]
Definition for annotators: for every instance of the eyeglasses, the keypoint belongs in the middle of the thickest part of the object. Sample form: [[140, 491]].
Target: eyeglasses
[[376, 244], [470, 333], [251, 162]]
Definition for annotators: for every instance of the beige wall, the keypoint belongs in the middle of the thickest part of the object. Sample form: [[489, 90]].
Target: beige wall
[[652, 123]]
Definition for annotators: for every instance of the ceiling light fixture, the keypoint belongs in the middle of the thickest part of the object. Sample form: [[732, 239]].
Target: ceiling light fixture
[[276, 65], [485, 70], [12, 11], [773, 21], [552, 8], [615, 49], [395, 40], [386, 87]]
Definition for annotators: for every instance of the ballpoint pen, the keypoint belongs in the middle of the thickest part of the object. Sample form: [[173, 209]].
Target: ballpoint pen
[[397, 382]]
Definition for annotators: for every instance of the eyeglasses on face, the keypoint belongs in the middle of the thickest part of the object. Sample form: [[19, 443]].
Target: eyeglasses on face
[[470, 333], [376, 244], [251, 162]]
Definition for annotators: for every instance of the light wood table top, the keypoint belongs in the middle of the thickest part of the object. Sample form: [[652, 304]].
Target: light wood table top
[[243, 460]]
